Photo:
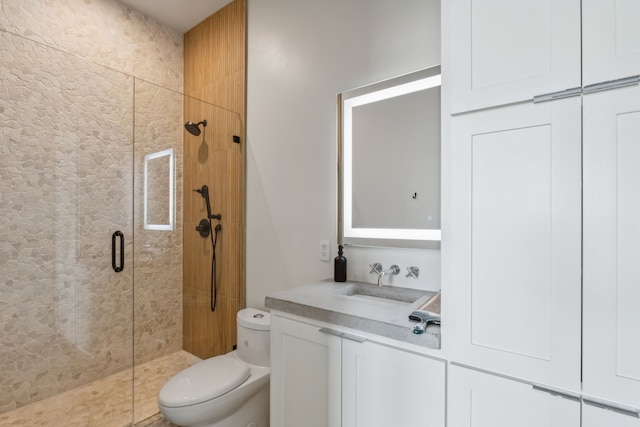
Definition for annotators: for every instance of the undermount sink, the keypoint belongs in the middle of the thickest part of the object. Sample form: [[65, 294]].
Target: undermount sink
[[386, 294]]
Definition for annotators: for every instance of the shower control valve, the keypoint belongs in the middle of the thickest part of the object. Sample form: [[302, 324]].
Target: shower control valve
[[204, 228]]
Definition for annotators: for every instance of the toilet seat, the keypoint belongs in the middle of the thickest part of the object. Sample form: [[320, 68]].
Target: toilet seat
[[204, 381]]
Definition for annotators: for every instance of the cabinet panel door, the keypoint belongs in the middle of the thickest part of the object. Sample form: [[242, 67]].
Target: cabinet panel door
[[611, 40], [384, 387], [305, 375], [611, 249], [477, 399], [598, 417], [507, 51], [515, 241]]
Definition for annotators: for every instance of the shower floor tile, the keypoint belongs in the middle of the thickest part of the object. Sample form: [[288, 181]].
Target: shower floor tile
[[106, 402]]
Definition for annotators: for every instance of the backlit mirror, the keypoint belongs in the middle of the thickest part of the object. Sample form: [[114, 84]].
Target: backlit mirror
[[159, 191], [389, 162]]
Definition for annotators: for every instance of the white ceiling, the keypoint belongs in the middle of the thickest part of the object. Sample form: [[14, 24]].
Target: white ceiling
[[180, 15]]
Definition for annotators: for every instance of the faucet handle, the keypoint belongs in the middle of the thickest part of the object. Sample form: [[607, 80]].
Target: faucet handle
[[413, 272], [376, 268]]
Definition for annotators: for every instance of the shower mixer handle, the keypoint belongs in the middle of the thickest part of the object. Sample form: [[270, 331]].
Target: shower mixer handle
[[204, 228]]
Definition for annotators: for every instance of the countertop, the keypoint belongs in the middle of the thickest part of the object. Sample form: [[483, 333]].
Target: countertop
[[328, 301]]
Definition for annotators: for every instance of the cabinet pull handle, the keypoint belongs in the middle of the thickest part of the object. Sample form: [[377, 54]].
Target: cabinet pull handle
[[619, 410], [330, 332], [342, 335], [612, 84], [557, 95], [556, 393]]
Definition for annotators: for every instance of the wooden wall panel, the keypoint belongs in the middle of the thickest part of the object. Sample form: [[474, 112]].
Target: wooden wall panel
[[215, 72]]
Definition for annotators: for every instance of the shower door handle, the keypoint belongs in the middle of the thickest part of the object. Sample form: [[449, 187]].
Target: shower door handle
[[117, 268]]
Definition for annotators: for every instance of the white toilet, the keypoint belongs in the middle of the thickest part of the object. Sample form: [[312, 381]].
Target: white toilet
[[231, 390]]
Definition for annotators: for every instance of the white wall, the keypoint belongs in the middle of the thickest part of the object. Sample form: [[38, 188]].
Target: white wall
[[301, 54]]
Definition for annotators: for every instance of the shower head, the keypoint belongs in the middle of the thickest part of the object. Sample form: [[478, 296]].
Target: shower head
[[194, 128]]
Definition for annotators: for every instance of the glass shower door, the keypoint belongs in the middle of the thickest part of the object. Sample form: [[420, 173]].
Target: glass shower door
[[66, 180]]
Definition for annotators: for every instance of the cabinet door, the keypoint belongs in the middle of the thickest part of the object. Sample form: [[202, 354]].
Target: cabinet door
[[305, 375], [593, 416], [507, 51], [515, 241], [611, 249], [385, 386], [477, 399], [611, 40]]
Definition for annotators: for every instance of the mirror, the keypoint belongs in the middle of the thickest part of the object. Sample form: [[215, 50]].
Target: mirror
[[389, 162], [159, 191]]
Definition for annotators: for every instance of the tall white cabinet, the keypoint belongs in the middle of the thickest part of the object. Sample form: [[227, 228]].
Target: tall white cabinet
[[597, 416], [516, 229], [503, 52], [545, 202], [611, 362], [610, 40], [479, 399], [611, 277]]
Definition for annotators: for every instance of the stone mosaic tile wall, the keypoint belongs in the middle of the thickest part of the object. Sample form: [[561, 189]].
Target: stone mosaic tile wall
[[104, 32], [69, 177]]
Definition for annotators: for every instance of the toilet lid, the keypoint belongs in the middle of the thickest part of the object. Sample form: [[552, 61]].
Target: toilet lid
[[204, 381]]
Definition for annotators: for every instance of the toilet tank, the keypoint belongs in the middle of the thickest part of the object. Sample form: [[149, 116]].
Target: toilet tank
[[253, 336]]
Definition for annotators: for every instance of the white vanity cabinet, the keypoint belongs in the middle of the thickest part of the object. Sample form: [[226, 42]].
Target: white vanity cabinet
[[305, 375], [515, 231], [384, 386], [323, 377], [478, 399], [509, 51], [611, 360]]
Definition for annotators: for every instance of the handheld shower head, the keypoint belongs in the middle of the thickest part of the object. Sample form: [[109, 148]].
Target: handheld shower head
[[194, 128]]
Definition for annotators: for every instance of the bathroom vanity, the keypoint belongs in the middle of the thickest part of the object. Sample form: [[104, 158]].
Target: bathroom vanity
[[347, 354], [343, 357]]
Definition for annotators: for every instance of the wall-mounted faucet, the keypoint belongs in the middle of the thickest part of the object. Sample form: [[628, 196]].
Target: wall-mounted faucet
[[376, 268]]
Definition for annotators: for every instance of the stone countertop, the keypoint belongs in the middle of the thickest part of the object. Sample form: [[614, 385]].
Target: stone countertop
[[329, 301]]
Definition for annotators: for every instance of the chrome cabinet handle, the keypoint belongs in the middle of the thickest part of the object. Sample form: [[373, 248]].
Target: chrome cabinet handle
[[340, 334], [556, 393], [608, 407]]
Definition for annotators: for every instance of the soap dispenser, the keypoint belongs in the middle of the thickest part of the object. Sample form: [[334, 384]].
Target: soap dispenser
[[340, 267]]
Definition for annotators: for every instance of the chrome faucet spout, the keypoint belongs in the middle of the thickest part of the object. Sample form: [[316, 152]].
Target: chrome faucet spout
[[394, 269], [376, 268]]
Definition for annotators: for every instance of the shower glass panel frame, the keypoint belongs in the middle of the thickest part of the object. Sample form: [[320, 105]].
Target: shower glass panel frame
[[73, 139]]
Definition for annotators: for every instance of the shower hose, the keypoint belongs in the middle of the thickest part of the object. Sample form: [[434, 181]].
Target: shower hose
[[214, 288]]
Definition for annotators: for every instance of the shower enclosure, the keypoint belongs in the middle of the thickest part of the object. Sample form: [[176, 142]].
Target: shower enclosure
[[91, 191]]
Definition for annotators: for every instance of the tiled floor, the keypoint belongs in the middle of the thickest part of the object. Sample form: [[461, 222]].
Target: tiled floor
[[107, 402]]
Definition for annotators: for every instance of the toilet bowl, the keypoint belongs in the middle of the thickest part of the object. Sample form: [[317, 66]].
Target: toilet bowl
[[231, 390]]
